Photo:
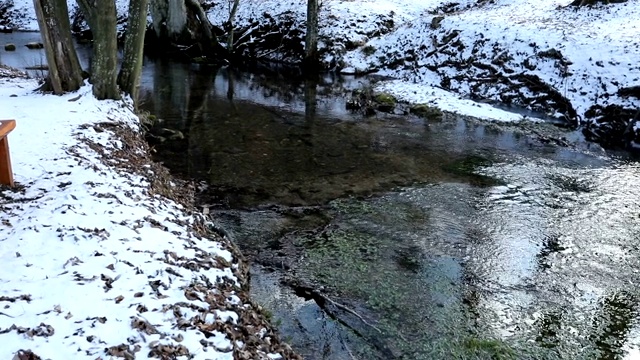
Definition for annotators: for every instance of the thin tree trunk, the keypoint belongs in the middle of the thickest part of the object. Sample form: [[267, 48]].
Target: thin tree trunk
[[205, 24], [101, 17], [129, 76], [232, 15], [311, 37], [65, 73]]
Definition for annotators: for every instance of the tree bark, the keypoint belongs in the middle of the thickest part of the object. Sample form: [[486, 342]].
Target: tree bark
[[65, 73], [101, 17], [232, 15], [131, 68], [311, 37]]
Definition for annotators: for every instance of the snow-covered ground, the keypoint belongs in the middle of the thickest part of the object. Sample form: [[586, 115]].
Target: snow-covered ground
[[96, 262]]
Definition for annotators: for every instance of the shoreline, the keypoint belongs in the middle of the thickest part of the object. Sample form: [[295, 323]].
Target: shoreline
[[94, 215]]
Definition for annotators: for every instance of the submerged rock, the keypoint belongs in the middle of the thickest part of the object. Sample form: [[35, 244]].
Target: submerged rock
[[427, 112], [385, 102], [34, 45]]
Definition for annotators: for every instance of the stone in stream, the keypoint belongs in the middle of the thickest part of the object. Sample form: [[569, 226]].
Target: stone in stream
[[10, 47], [34, 45]]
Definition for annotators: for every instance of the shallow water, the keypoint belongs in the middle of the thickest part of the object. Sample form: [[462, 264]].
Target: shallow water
[[449, 239]]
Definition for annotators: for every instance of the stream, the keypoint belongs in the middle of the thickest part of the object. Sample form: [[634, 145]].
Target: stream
[[394, 237], [391, 237]]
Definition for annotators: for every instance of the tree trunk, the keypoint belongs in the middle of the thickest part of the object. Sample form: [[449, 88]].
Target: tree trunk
[[65, 73], [232, 15], [129, 76], [101, 17], [311, 37]]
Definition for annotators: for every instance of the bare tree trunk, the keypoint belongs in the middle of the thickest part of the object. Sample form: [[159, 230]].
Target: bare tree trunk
[[65, 73], [101, 17], [311, 37], [129, 76], [232, 15]]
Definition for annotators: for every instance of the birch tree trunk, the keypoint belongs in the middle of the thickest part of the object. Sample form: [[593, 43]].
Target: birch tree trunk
[[65, 73]]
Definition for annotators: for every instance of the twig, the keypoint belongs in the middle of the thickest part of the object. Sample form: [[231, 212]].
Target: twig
[[347, 309], [347, 348]]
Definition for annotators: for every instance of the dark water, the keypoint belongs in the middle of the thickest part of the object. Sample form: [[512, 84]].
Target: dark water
[[422, 240], [445, 240], [31, 60]]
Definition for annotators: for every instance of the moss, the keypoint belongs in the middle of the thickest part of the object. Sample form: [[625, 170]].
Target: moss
[[467, 168], [427, 112], [495, 349], [386, 102]]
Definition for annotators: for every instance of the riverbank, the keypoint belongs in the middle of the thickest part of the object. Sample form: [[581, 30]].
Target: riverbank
[[103, 254], [576, 65]]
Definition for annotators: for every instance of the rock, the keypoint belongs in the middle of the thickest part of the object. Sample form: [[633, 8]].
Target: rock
[[34, 45], [38, 67], [426, 112], [385, 102], [171, 134], [633, 91], [10, 47], [436, 21]]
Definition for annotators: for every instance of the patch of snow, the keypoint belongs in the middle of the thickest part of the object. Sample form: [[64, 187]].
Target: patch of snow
[[92, 264]]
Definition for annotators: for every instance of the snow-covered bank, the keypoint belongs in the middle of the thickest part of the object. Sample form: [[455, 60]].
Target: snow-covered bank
[[576, 64], [571, 63], [102, 256]]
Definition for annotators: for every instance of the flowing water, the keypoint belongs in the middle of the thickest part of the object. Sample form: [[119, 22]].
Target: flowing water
[[396, 238], [393, 237]]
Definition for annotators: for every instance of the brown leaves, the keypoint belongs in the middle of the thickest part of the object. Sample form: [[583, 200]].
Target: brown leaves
[[144, 326], [25, 355], [43, 330], [168, 351], [123, 351], [23, 297]]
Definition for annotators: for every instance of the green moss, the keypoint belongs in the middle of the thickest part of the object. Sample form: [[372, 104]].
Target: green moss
[[386, 102], [489, 348], [427, 112], [468, 167]]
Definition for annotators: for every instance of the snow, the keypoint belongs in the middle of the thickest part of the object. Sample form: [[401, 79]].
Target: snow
[[93, 262], [599, 47]]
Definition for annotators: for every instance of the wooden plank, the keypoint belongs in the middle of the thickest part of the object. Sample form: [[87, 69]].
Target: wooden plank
[[6, 126], [6, 173]]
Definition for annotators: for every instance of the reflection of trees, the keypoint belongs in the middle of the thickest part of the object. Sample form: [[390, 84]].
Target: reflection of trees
[[613, 324], [548, 329]]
